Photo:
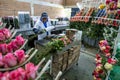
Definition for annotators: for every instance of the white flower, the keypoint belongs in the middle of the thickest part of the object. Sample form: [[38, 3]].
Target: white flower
[[108, 66]]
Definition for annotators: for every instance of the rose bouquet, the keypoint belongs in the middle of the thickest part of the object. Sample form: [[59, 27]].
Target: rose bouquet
[[104, 62]]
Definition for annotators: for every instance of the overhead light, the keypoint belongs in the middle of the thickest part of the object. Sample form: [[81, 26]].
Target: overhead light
[[79, 5]]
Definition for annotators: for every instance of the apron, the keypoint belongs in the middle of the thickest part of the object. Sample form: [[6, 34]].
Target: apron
[[40, 25]]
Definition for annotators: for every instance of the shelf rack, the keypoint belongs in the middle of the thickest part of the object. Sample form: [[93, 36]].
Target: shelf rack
[[114, 51]]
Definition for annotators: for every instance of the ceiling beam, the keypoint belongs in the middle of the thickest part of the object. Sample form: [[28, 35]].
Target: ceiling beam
[[42, 3]]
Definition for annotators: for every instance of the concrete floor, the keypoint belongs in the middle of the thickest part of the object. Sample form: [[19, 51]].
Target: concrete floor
[[83, 71]]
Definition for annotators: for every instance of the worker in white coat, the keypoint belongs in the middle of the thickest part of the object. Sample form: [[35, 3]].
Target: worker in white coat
[[43, 24]]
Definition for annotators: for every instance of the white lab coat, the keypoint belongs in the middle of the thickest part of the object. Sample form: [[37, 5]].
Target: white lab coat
[[40, 26]]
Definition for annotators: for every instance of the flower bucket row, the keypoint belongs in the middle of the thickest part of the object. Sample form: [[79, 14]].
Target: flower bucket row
[[78, 17], [107, 19]]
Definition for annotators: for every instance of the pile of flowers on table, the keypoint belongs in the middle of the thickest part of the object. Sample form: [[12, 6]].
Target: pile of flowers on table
[[58, 43], [104, 61]]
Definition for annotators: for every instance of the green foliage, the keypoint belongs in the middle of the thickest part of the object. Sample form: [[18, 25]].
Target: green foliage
[[55, 45], [43, 52], [115, 73], [89, 29]]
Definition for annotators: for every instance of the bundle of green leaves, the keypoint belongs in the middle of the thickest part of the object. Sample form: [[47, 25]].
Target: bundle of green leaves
[[55, 44]]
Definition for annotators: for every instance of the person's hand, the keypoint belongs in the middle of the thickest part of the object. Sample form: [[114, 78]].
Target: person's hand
[[42, 31], [35, 30]]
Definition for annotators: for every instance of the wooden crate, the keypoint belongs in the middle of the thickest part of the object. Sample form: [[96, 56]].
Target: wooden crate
[[57, 65], [65, 60], [57, 58], [55, 72], [64, 66]]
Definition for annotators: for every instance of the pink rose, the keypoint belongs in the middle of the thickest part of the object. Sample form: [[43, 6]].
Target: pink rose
[[6, 32], [5, 76], [22, 73], [10, 60], [105, 43], [1, 74], [14, 45], [2, 37], [3, 48], [19, 40], [1, 60], [107, 54], [15, 75], [9, 48], [20, 54], [31, 70]]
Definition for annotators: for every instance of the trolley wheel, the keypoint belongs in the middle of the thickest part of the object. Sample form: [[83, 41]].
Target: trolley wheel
[[76, 64]]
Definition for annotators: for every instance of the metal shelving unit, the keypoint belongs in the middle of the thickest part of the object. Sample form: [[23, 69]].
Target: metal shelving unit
[[114, 51]]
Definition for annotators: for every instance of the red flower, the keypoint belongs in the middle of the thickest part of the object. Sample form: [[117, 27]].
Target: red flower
[[106, 51], [98, 58], [107, 1], [108, 47], [111, 61]]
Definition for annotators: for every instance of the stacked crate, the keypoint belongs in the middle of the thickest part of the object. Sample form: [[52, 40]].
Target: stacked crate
[[62, 62], [73, 56], [57, 63]]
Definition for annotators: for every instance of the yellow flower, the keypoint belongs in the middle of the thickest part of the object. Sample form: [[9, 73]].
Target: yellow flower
[[102, 6]]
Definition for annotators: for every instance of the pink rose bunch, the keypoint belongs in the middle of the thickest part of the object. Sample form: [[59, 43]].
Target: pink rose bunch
[[103, 62], [12, 46], [29, 73], [104, 46], [4, 34], [65, 40], [31, 70], [12, 59], [99, 68]]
